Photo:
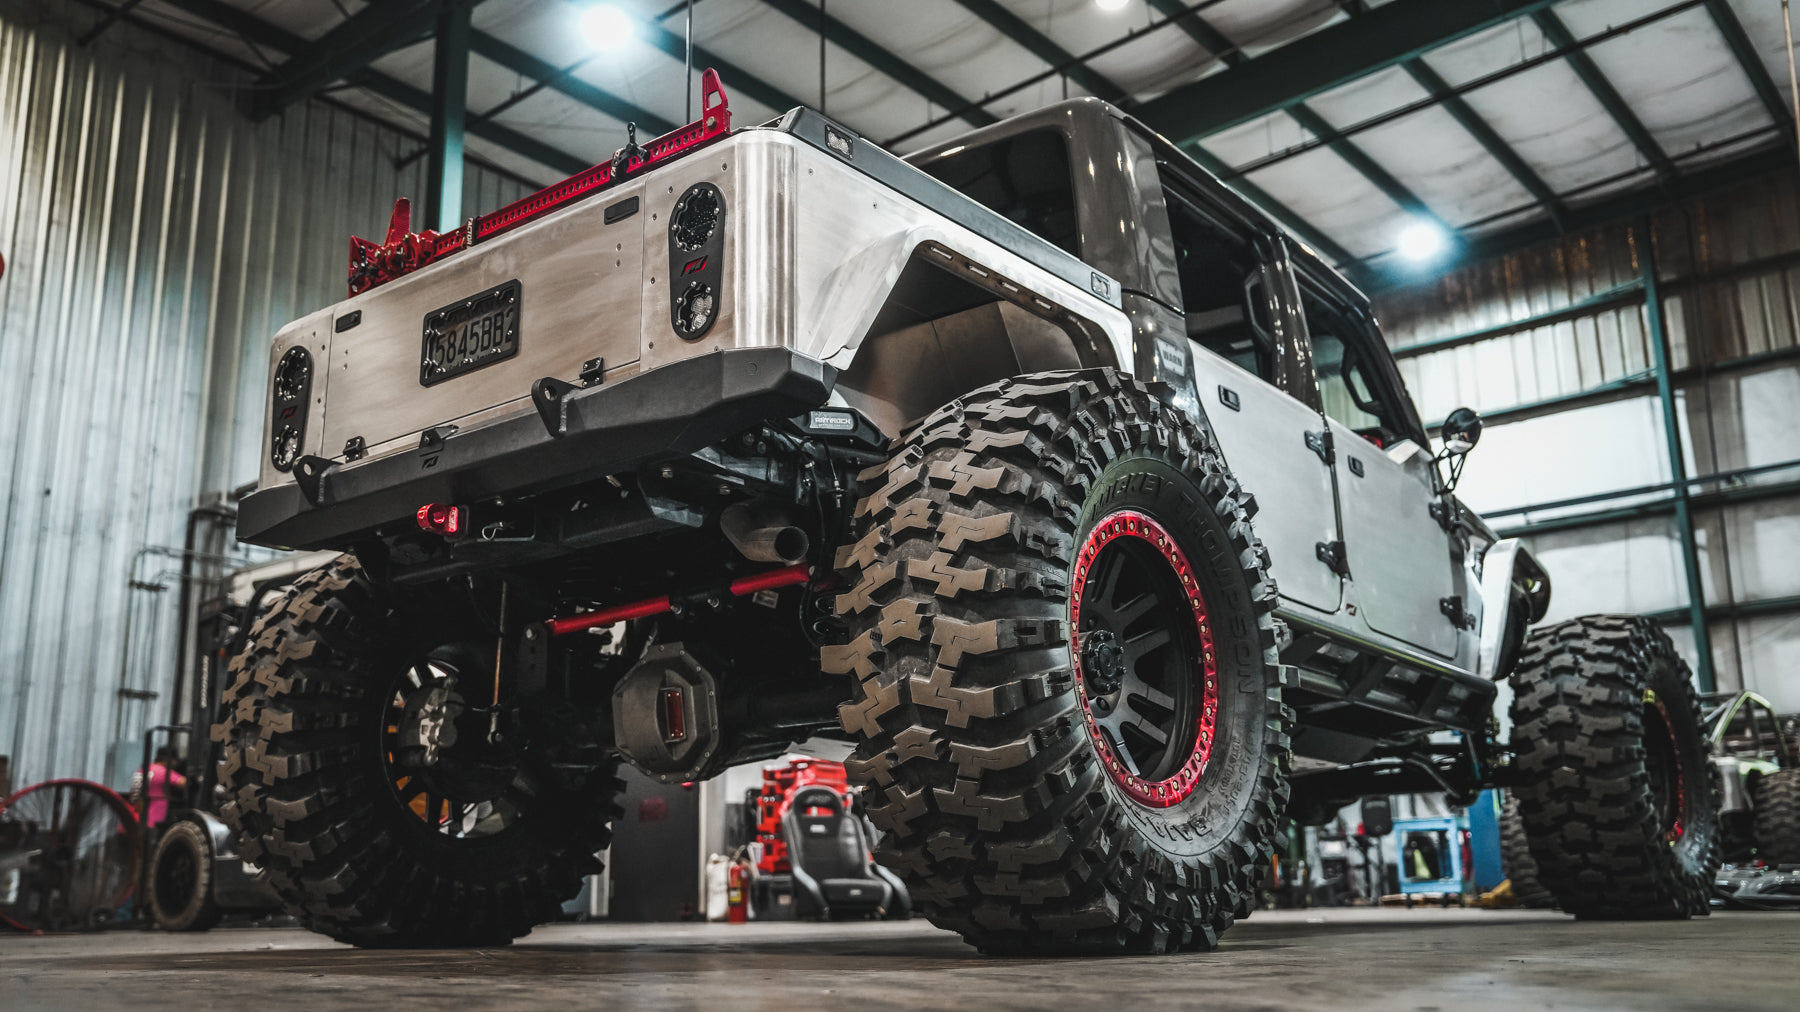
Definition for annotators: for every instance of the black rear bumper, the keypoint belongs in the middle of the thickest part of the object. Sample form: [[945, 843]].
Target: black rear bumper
[[666, 412]]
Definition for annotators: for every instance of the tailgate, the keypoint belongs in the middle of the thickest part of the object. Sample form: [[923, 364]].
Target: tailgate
[[538, 301]]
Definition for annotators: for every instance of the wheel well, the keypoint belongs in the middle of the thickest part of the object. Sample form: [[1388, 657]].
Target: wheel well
[[943, 332]]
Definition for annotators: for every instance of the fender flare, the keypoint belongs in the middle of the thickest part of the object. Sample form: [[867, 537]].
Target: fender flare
[[1515, 592]]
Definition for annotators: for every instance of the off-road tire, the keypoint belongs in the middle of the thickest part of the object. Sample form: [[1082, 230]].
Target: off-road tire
[[180, 886], [972, 746], [1515, 857], [1776, 799], [309, 802], [1589, 695]]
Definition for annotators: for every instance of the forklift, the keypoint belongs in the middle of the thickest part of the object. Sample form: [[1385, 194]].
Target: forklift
[[192, 875]]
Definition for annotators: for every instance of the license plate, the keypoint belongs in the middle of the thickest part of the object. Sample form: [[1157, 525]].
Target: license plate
[[469, 334]]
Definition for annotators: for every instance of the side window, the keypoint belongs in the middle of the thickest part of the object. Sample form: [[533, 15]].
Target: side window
[[1350, 387], [1025, 179], [1221, 277]]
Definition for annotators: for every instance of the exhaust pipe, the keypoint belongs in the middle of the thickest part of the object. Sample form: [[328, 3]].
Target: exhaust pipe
[[763, 535]]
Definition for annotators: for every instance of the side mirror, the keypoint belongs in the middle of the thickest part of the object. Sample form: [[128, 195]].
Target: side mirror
[[1461, 431]]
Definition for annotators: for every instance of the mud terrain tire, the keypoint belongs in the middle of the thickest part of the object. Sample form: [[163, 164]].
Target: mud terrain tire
[[1777, 828], [1617, 794], [1515, 857], [311, 803], [975, 748]]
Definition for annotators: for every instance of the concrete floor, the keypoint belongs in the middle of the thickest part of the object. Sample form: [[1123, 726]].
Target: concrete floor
[[1336, 959]]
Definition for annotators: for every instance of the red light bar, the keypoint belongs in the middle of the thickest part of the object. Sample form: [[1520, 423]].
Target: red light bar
[[405, 251]]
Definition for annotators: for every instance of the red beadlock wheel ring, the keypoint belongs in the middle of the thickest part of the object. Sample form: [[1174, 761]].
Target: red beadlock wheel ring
[[1178, 786]]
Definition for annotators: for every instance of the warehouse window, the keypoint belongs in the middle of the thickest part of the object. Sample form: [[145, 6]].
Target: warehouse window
[[1025, 179]]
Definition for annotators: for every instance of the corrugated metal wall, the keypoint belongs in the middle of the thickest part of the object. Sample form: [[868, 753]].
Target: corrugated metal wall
[[154, 239], [1573, 412]]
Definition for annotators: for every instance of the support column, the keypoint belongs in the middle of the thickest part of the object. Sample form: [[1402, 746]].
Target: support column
[[449, 107], [1665, 391]]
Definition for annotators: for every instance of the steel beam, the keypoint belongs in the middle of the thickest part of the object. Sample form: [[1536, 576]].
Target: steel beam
[[1747, 57], [1551, 54], [1665, 392], [1603, 91], [1691, 184], [1307, 234], [111, 17], [1050, 52], [1044, 48], [875, 55], [1322, 61], [1765, 607], [449, 110], [1215, 43], [352, 45], [1490, 141], [560, 79], [736, 79], [1478, 128], [1369, 168], [1618, 295], [261, 33]]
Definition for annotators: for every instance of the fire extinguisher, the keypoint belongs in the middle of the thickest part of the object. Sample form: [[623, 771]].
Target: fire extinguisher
[[737, 895]]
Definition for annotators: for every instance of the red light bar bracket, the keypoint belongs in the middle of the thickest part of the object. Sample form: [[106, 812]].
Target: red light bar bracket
[[405, 251]]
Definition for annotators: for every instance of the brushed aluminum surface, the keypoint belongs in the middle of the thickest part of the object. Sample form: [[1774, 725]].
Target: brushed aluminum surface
[[582, 297], [812, 250]]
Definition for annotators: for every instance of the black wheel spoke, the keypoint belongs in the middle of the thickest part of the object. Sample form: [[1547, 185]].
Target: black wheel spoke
[[1126, 615], [1139, 692], [1151, 731], [1108, 590], [1142, 644], [1114, 737]]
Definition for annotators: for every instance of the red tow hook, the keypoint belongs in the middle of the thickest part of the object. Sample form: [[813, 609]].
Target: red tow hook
[[743, 586]]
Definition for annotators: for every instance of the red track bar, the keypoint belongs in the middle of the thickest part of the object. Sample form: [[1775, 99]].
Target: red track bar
[[787, 576]]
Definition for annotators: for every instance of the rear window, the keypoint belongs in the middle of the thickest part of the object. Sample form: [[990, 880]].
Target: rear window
[[1024, 178]]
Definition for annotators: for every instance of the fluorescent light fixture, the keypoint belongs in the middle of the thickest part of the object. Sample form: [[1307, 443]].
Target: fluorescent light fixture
[[1421, 240], [607, 28], [1111, 5]]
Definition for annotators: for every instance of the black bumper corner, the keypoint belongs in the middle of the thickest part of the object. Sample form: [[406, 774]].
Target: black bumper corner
[[666, 412]]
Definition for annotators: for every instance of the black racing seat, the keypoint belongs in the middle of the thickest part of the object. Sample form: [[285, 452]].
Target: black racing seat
[[833, 873]]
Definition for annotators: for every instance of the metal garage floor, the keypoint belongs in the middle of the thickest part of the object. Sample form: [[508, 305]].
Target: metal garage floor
[[1333, 959]]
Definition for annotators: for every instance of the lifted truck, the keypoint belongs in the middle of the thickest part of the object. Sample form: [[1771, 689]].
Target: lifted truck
[[752, 435]]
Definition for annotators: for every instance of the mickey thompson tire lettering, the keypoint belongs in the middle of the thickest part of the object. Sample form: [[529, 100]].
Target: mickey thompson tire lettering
[[1597, 700], [972, 748], [308, 801]]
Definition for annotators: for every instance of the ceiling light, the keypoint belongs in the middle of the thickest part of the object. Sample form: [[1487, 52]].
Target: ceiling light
[[1421, 240], [606, 27], [1111, 5]]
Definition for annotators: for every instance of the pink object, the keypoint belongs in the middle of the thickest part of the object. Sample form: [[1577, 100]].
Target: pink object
[[160, 778]]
